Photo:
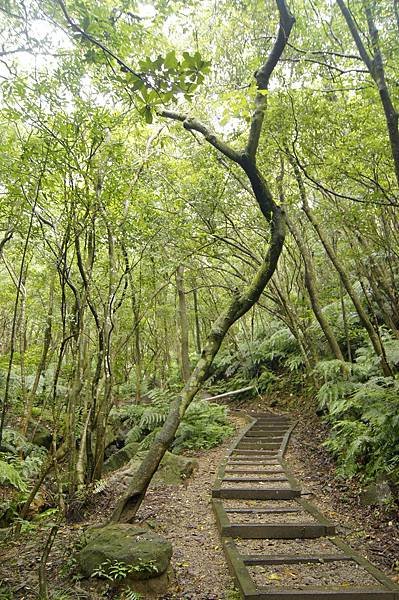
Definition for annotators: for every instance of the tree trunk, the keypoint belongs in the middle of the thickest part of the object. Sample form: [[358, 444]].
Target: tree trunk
[[129, 504], [183, 325], [197, 323], [375, 66], [363, 316], [43, 359], [310, 282]]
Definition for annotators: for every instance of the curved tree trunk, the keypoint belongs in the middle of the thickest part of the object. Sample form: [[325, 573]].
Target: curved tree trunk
[[130, 502]]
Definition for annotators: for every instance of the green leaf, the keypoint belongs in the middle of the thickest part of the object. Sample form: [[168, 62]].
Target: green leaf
[[148, 115]]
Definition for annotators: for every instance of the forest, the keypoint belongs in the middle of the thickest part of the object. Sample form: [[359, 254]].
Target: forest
[[197, 198]]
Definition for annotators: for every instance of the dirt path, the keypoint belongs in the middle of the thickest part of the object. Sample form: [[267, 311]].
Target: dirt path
[[184, 515]]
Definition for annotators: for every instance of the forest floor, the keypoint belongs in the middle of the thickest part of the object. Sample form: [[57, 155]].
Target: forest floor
[[184, 515]]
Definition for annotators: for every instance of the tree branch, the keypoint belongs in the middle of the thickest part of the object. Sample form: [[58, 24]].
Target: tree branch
[[75, 27], [193, 125], [263, 75]]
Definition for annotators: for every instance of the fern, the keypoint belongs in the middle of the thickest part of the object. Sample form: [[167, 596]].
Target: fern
[[365, 425], [9, 475], [332, 391], [332, 370], [154, 417], [131, 595], [99, 486], [204, 426], [294, 362]]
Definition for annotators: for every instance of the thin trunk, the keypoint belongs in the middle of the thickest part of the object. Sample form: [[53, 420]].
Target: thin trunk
[[292, 323], [311, 286], [183, 325], [363, 316], [43, 359], [345, 321], [197, 323], [328, 247], [20, 292], [375, 66], [129, 504]]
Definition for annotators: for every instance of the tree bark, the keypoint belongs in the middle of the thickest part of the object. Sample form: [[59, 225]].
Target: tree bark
[[130, 502], [311, 286], [375, 66], [363, 316], [183, 325]]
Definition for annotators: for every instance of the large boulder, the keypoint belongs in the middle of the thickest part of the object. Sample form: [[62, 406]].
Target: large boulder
[[141, 553], [41, 435], [121, 457], [173, 469]]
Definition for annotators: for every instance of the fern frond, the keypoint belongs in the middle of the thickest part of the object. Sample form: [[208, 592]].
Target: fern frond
[[99, 486], [10, 476]]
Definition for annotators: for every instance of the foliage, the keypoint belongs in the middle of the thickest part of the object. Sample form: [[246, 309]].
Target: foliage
[[364, 418], [9, 475], [130, 595], [204, 425], [115, 570]]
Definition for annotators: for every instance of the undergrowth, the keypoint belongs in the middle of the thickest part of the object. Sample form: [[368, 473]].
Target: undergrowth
[[360, 406], [204, 425]]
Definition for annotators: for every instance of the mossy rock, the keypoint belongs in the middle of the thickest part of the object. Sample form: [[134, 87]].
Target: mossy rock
[[173, 469], [42, 436], [144, 553], [121, 457]]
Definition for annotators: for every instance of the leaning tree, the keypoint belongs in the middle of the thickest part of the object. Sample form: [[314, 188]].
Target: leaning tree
[[246, 159]]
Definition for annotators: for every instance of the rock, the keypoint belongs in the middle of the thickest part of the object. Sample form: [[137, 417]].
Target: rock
[[145, 552], [154, 588], [378, 493], [121, 457], [173, 468], [41, 436]]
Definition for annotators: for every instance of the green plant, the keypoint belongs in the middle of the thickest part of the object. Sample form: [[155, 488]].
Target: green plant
[[363, 411], [204, 425], [233, 594], [116, 570], [9, 475], [130, 594], [5, 593]]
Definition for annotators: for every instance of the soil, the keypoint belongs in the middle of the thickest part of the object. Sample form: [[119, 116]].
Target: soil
[[341, 574], [270, 518], [256, 485], [301, 547], [184, 515], [373, 531]]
